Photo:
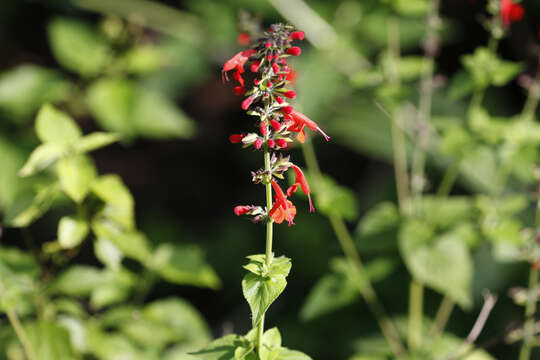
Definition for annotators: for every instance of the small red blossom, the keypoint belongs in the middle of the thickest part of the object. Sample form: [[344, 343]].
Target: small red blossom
[[281, 143], [279, 215], [290, 94], [243, 39], [258, 143], [236, 138], [255, 66], [279, 99], [297, 35], [242, 209], [275, 68], [237, 62], [247, 102], [301, 120], [238, 77], [300, 179], [263, 128], [287, 109], [271, 143], [275, 125], [294, 50], [511, 12], [281, 199], [291, 76], [239, 90], [268, 45]]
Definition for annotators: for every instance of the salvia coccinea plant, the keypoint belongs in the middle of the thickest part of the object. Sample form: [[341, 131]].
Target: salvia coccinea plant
[[277, 125]]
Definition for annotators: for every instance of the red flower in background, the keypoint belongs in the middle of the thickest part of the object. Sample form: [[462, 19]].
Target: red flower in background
[[237, 62], [511, 12]]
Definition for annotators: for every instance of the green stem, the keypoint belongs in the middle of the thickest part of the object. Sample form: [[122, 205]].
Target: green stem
[[415, 315], [269, 229], [353, 257], [442, 316], [530, 309], [21, 334]]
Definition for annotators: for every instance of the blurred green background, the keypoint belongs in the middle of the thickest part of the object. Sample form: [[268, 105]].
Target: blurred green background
[[150, 71]]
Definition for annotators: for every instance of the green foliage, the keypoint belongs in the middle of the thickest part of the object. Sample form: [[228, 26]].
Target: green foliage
[[264, 283]]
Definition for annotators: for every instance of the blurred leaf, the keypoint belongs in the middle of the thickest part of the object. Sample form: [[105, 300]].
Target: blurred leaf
[[108, 253], [42, 157], [12, 158], [55, 126], [95, 141], [72, 231], [489, 129], [76, 174], [120, 106], [184, 264], [448, 211], [442, 263], [119, 204], [107, 346], [261, 289], [18, 277], [144, 59], [79, 47], [412, 7], [461, 85], [31, 206], [479, 168], [487, 69], [222, 348], [26, 87], [412, 67], [76, 330], [50, 341], [377, 229], [333, 199], [133, 244], [456, 141]]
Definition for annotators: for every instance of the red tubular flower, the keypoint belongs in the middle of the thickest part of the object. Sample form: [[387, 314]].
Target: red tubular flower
[[281, 143], [263, 128], [271, 143], [275, 125], [239, 90], [511, 12], [301, 180], [238, 77], [275, 68], [290, 94], [287, 109], [255, 66], [301, 119], [297, 35], [243, 39], [279, 99], [281, 199], [236, 138], [291, 76], [294, 50], [237, 62], [242, 209], [258, 143], [279, 215]]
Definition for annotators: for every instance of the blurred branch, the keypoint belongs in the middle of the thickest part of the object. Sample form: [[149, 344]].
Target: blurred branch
[[159, 17], [530, 310], [321, 35]]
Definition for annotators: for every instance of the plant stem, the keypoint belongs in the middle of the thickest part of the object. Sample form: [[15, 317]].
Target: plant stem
[[21, 334], [269, 230], [416, 305], [353, 257], [530, 309], [442, 316]]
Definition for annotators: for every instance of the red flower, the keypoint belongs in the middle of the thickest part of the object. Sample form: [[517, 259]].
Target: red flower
[[279, 99], [275, 68], [291, 76], [290, 94], [281, 200], [271, 143], [294, 50], [275, 125], [282, 143], [237, 62], [255, 66], [263, 128], [287, 109], [511, 12], [297, 35], [243, 39], [278, 214], [258, 143], [247, 102], [301, 180], [238, 90], [300, 120], [236, 138]]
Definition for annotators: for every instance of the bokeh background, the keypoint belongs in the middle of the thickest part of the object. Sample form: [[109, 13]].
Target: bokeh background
[[167, 98]]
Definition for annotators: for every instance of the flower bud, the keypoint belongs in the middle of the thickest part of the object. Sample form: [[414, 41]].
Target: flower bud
[[281, 143], [242, 209], [268, 45], [243, 39], [275, 125], [279, 99], [258, 143], [275, 67], [286, 109], [236, 138], [294, 50], [271, 143], [255, 66], [297, 35], [269, 57], [290, 94], [269, 84], [276, 56], [247, 102], [263, 128]]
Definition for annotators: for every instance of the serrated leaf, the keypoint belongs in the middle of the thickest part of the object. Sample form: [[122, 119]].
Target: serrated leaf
[[76, 174], [78, 46], [72, 231], [42, 157], [119, 204], [260, 291], [95, 141], [55, 126], [442, 263]]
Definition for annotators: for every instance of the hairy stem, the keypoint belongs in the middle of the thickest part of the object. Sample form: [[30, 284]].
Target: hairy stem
[[530, 310], [353, 257], [21, 334], [269, 230]]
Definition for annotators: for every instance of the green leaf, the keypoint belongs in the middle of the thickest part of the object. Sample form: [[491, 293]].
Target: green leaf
[[30, 207], [461, 85], [221, 349], [111, 346], [413, 67], [377, 229], [50, 341], [489, 129], [447, 212], [119, 204], [184, 264], [133, 244], [25, 88], [72, 231], [18, 279], [286, 354], [79, 47], [442, 263], [487, 69], [76, 174], [480, 170], [108, 253], [271, 344], [55, 126], [260, 290], [412, 7], [333, 199], [42, 157], [95, 141], [145, 59]]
